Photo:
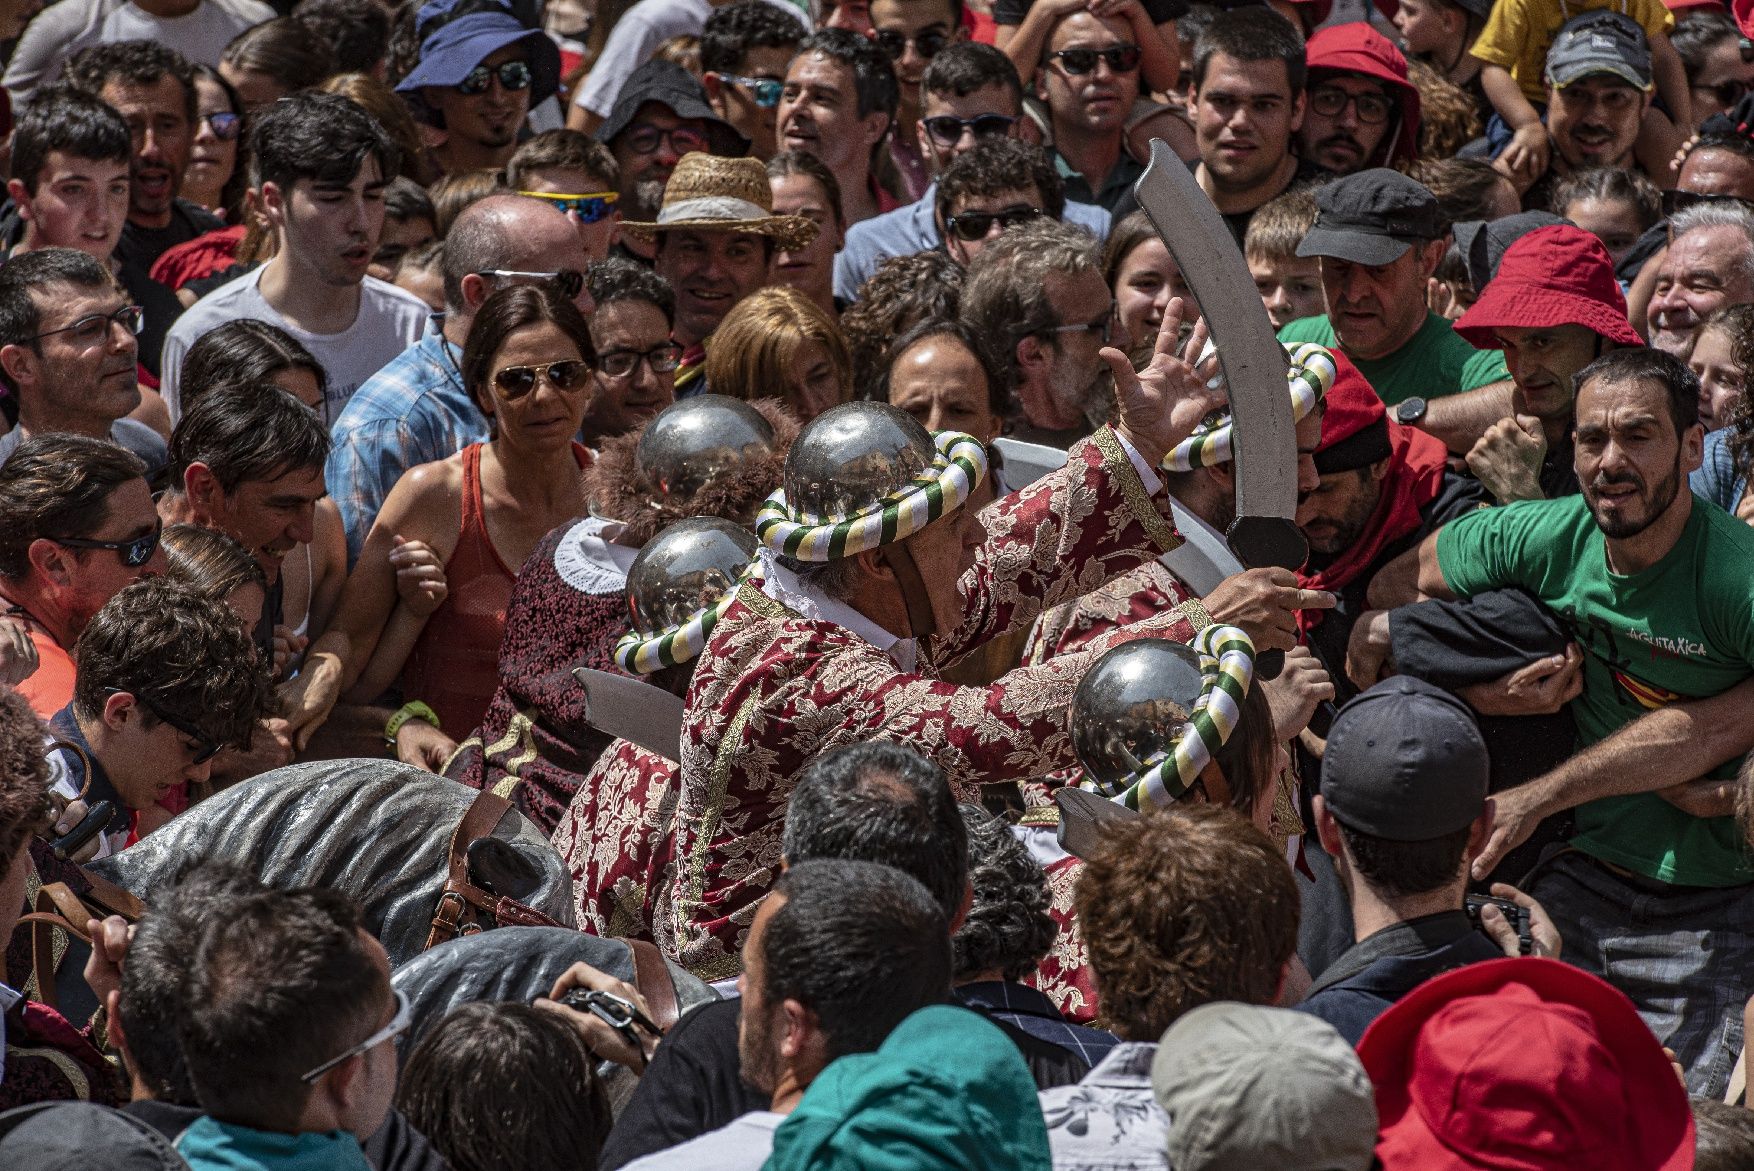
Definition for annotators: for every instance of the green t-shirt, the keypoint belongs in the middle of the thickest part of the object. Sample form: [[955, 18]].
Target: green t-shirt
[[1437, 362], [1682, 629]]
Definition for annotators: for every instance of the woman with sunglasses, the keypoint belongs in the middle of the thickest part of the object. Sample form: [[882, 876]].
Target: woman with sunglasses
[[213, 161], [428, 596]]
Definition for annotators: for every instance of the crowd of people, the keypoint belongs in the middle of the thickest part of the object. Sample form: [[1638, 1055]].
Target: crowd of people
[[603, 584]]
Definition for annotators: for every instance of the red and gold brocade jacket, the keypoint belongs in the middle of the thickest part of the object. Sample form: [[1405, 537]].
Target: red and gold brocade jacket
[[772, 690]]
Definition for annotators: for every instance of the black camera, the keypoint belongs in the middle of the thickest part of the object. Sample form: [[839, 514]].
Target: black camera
[[1515, 913]]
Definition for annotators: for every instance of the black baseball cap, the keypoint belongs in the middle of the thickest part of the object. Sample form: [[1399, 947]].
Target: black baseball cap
[[1484, 242], [1405, 762], [670, 85], [1372, 217]]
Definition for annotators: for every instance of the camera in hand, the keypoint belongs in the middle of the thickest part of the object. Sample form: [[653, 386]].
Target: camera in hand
[[1515, 914]]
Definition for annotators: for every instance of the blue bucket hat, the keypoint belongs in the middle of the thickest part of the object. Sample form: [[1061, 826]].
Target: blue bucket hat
[[451, 52]]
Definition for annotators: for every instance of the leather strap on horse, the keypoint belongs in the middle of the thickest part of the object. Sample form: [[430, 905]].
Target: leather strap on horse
[[462, 906], [59, 909], [651, 975]]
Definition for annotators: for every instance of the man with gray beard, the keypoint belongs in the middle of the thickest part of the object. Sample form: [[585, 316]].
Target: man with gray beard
[[661, 115]]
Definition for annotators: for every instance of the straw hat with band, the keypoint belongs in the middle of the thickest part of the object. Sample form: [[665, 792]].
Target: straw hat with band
[[1310, 376], [707, 193], [865, 476], [1557, 275]]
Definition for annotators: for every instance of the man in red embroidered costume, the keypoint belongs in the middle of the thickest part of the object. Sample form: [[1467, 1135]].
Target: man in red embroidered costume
[[871, 581]]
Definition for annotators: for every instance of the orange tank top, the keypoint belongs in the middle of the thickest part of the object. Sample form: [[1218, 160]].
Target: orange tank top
[[454, 667]]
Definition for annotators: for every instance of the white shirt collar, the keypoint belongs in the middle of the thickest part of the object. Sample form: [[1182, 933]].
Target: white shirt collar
[[786, 588], [589, 560]]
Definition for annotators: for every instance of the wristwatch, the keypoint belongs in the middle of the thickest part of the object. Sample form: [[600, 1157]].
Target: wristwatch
[[1411, 412]]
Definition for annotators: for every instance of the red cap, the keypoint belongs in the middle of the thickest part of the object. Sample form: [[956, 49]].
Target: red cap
[[1557, 275], [1523, 1065], [1357, 48], [1682, 5], [1355, 425]]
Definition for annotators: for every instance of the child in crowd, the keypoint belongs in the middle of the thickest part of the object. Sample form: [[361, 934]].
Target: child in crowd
[[1290, 285]]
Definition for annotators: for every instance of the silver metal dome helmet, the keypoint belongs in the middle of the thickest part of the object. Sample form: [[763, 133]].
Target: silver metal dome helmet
[[850, 457], [678, 588], [685, 569], [1129, 707], [691, 442]]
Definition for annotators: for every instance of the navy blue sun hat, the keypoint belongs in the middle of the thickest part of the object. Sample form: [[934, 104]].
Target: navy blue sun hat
[[451, 51]]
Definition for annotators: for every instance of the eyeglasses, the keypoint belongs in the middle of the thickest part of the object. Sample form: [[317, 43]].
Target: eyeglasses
[[398, 1025], [1678, 201], [1725, 93], [513, 76], [205, 749], [568, 280], [1102, 326], [95, 327], [644, 140], [764, 90], [134, 552], [622, 363], [225, 125], [566, 375], [947, 129], [974, 225], [590, 207], [1329, 100], [927, 43], [1078, 62]]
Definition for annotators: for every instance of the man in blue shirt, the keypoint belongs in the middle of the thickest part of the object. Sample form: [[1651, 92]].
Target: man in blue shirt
[[971, 91], [416, 409]]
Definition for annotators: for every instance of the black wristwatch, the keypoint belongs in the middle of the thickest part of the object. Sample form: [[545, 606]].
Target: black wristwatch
[[1411, 412]]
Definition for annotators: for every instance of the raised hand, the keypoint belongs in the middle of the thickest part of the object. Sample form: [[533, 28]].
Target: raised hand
[[1162, 404]]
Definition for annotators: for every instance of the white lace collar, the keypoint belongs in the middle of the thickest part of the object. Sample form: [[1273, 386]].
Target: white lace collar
[[589, 560]]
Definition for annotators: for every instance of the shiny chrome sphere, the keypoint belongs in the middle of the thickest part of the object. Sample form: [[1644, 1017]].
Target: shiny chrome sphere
[[684, 569], [1129, 705]]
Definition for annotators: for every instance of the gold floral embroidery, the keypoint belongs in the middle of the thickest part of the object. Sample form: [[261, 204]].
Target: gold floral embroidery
[[1114, 458]]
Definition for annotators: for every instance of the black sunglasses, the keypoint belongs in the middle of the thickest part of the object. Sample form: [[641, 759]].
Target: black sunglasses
[[205, 749], [927, 44], [566, 375], [1078, 62], [134, 552], [947, 129], [1678, 201], [225, 124], [513, 76], [974, 225]]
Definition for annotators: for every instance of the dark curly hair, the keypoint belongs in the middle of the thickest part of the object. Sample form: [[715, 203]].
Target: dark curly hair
[[180, 653], [1738, 322], [506, 1085], [24, 775], [1008, 929], [904, 291], [1181, 908]]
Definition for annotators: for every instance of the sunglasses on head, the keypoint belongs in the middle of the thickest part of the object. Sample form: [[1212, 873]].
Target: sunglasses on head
[[764, 90], [947, 129], [513, 76], [927, 43], [568, 374], [1078, 62], [568, 280], [590, 207], [974, 225], [134, 552], [225, 125], [1678, 201]]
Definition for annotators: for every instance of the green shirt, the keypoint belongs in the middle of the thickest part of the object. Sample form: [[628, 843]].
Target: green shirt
[[1437, 362], [1682, 629]]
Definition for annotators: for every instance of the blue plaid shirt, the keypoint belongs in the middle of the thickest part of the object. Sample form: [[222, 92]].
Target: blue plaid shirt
[[411, 412]]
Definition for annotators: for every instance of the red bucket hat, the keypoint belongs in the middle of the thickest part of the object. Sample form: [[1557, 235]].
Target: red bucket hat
[[1523, 1065], [1557, 275], [1355, 47]]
